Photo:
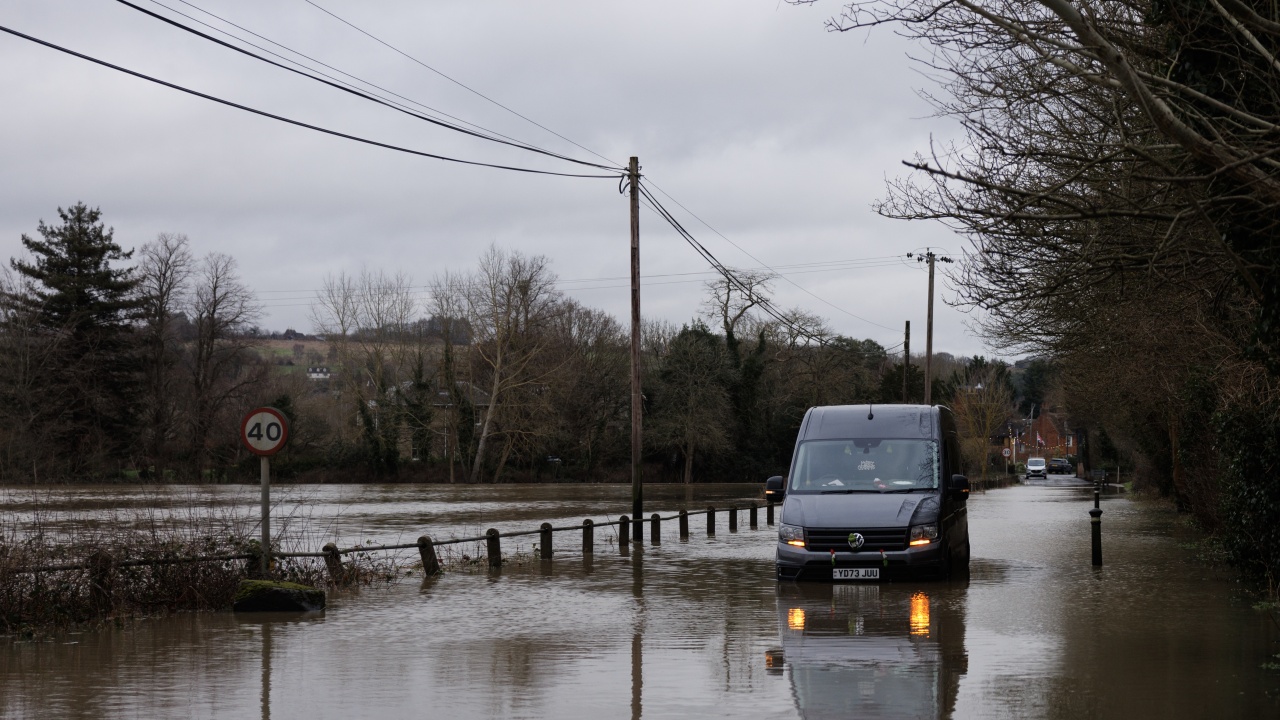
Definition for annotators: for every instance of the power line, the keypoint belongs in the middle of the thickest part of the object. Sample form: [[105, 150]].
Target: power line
[[331, 82], [290, 121], [763, 303], [753, 257], [322, 64], [456, 82]]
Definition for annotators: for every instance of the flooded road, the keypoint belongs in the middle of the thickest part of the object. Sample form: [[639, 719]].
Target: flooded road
[[696, 628]]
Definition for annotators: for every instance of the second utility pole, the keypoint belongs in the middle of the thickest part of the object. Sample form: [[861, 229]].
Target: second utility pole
[[906, 361], [637, 486], [928, 338]]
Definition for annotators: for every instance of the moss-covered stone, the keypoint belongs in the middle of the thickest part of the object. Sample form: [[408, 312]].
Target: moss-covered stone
[[271, 596]]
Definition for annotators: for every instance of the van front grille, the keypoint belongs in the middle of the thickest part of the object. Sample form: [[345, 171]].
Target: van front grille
[[877, 539]]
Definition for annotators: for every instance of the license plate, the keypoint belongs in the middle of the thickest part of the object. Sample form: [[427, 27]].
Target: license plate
[[855, 574]]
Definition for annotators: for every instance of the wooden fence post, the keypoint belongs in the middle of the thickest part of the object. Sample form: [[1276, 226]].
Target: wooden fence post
[[253, 566], [427, 549], [655, 529], [101, 580], [768, 513], [624, 533], [588, 537], [493, 545], [755, 522], [733, 518], [333, 563], [544, 541], [711, 521], [684, 525]]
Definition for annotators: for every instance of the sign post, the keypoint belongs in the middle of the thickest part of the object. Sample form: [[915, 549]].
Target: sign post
[[264, 431]]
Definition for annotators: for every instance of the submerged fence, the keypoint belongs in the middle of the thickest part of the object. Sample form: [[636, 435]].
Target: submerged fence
[[102, 565]]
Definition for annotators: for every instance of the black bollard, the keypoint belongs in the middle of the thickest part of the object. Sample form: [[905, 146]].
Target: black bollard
[[493, 545], [755, 523], [655, 529], [684, 525], [768, 514], [544, 541], [733, 518], [427, 551], [624, 533], [588, 537], [711, 521], [1095, 521]]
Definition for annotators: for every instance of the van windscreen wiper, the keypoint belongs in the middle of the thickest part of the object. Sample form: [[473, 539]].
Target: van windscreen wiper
[[849, 491]]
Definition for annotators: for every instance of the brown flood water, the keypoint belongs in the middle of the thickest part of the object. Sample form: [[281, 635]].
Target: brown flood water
[[696, 628]]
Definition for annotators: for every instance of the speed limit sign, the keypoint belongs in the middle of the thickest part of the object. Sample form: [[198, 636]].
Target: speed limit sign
[[264, 431]]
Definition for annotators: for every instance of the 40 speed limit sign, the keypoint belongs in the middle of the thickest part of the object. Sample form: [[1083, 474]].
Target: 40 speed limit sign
[[264, 431]]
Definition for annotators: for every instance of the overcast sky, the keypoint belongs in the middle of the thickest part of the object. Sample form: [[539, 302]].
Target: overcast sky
[[777, 133]]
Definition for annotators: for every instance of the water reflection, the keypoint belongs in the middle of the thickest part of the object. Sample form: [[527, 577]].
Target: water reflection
[[266, 671], [637, 634], [871, 650], [264, 624]]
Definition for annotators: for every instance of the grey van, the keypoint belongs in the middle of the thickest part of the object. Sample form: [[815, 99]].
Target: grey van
[[874, 493]]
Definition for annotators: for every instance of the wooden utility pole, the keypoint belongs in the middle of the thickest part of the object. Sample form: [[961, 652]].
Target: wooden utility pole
[[930, 258], [637, 486], [906, 361], [928, 338]]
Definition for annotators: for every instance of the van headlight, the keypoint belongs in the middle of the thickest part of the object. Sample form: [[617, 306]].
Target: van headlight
[[924, 534], [791, 535]]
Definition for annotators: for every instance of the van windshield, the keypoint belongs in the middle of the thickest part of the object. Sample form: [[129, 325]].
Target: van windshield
[[865, 465]]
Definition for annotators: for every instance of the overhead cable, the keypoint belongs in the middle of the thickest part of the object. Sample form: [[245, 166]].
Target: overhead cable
[[325, 80], [753, 257], [384, 43], [319, 62], [763, 303], [291, 121]]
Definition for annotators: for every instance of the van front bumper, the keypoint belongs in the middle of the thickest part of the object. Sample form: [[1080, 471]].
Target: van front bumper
[[795, 563]]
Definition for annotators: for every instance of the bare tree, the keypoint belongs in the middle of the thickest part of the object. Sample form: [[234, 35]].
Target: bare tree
[[729, 303], [164, 272], [370, 320], [449, 308], [510, 301], [219, 360], [1108, 141]]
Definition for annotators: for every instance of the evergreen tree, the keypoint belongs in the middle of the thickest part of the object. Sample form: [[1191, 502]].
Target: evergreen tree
[[85, 307]]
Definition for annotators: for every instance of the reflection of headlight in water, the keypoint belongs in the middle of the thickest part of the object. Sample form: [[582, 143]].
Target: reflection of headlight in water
[[919, 614], [795, 618]]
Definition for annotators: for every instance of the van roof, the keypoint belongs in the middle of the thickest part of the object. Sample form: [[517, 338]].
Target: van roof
[[834, 422]]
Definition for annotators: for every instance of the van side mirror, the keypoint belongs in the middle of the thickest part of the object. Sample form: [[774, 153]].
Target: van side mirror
[[775, 489], [959, 487]]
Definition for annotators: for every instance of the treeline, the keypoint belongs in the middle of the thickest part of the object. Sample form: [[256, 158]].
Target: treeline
[[122, 365], [1119, 183]]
